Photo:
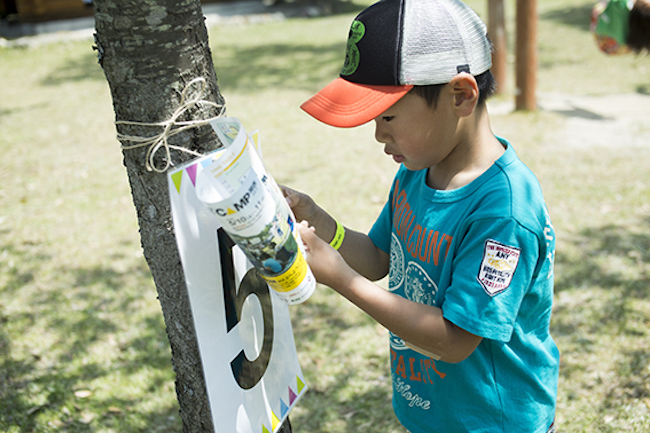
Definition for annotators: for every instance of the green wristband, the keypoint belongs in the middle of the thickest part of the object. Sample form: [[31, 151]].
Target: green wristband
[[338, 236]]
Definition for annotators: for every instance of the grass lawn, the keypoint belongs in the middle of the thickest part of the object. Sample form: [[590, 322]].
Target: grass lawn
[[82, 340]]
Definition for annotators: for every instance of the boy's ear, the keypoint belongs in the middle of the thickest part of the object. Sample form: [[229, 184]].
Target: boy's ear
[[465, 90]]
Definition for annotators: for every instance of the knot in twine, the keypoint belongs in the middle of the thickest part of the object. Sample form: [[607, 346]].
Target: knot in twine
[[170, 127]]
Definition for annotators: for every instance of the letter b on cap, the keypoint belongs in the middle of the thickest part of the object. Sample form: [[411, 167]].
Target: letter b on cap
[[357, 30]]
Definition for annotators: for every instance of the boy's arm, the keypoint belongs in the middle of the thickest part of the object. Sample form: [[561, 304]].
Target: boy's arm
[[357, 249], [420, 325]]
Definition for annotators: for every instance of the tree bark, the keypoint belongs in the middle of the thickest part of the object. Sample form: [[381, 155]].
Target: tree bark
[[150, 50]]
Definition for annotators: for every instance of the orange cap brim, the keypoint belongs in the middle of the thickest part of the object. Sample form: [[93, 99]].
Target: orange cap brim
[[346, 104]]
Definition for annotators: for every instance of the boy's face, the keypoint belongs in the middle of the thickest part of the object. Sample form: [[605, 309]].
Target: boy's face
[[415, 134]]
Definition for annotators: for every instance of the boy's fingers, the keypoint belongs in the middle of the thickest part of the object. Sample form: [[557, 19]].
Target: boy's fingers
[[305, 230], [286, 191], [291, 196], [307, 233]]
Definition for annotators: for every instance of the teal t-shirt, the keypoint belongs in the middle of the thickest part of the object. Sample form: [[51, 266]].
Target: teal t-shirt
[[483, 254]]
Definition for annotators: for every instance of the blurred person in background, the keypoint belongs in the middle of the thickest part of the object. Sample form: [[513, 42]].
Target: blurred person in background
[[621, 26]]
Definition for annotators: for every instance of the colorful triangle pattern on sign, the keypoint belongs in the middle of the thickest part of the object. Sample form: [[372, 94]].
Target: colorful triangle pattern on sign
[[292, 396], [206, 162], [191, 171], [274, 420], [284, 408], [176, 177], [301, 384]]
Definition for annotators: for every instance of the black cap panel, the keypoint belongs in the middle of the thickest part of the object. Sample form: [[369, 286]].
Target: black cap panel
[[372, 54]]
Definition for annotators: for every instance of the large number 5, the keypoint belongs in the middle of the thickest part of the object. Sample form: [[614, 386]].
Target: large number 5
[[247, 373]]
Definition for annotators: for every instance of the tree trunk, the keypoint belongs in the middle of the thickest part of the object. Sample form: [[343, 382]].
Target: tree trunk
[[150, 50]]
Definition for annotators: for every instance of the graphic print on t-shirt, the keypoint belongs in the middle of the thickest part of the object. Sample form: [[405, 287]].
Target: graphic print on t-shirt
[[419, 287], [396, 275]]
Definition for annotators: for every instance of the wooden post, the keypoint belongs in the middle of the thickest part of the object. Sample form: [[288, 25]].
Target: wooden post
[[526, 52], [498, 36]]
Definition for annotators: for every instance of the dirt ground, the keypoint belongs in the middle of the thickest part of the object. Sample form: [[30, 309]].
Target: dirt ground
[[611, 120]]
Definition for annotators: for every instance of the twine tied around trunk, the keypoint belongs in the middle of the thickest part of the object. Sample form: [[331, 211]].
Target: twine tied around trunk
[[170, 127]]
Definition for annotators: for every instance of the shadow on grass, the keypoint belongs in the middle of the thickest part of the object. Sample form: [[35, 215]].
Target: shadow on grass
[[581, 113], [290, 65], [611, 258], [635, 373], [599, 248], [75, 69], [327, 7], [348, 391], [282, 66], [574, 16], [643, 89], [605, 274], [246, 70], [368, 410], [94, 336]]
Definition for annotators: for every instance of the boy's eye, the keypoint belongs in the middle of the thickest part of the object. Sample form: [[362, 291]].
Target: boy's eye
[[388, 118]]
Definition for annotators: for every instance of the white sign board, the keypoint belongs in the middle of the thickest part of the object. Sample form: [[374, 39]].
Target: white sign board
[[244, 333]]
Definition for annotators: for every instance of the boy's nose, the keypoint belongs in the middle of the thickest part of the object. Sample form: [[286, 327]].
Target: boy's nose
[[380, 134]]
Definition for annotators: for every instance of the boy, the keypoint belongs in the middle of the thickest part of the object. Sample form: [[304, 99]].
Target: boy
[[465, 233]]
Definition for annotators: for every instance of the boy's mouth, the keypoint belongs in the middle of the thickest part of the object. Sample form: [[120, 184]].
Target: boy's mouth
[[397, 158]]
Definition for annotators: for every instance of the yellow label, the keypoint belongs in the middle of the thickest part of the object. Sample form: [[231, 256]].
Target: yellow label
[[290, 279]]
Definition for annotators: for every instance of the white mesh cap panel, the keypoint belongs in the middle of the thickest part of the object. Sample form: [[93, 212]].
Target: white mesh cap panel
[[438, 36], [475, 36]]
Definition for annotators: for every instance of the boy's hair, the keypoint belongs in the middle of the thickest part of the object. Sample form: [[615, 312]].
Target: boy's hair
[[486, 87]]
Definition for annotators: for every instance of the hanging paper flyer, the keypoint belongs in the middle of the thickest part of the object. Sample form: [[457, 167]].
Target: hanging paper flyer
[[248, 203]]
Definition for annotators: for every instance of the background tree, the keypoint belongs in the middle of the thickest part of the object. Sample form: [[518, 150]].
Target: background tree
[[149, 51]]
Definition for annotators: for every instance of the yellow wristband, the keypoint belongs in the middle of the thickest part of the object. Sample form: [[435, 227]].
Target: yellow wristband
[[338, 236]]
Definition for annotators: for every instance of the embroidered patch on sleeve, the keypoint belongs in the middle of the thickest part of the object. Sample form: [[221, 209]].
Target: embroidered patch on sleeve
[[498, 266]]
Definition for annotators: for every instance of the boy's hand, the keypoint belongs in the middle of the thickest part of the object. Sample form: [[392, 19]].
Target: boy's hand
[[358, 252], [306, 209], [326, 263], [302, 205]]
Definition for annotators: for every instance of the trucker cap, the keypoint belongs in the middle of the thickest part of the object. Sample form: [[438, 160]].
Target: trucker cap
[[394, 45]]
